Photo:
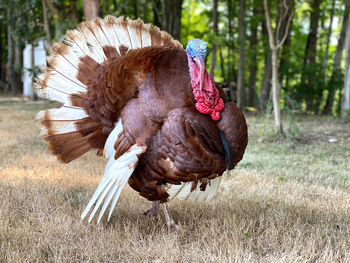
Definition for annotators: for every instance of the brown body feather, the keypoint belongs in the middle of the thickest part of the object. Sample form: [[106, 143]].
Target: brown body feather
[[159, 112]]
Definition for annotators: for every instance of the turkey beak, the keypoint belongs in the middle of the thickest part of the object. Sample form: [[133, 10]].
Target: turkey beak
[[200, 64]]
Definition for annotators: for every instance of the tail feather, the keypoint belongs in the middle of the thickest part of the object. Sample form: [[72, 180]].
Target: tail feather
[[94, 40], [122, 33], [134, 29], [69, 146], [72, 67], [64, 70], [60, 121], [76, 41], [191, 191]]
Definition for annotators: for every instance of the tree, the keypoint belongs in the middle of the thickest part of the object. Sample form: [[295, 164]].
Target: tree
[[171, 17], [266, 82], [65, 15], [346, 103], [309, 82], [46, 24], [10, 53], [156, 13], [215, 33], [275, 43], [310, 49], [137, 8], [325, 57], [335, 79], [253, 42], [241, 61], [232, 76], [91, 9]]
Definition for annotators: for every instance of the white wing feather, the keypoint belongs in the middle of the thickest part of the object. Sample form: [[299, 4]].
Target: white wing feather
[[117, 173]]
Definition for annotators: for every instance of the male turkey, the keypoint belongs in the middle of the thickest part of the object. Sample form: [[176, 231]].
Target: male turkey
[[134, 94]]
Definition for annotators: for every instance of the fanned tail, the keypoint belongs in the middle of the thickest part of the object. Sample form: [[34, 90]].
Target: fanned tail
[[72, 65]]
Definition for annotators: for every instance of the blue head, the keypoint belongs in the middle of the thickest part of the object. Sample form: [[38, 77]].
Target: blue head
[[196, 48], [207, 97], [196, 51]]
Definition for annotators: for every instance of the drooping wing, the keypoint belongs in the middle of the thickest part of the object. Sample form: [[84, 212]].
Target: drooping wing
[[117, 174]]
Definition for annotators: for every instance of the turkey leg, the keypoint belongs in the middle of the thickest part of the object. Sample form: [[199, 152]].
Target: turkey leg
[[152, 210], [170, 222]]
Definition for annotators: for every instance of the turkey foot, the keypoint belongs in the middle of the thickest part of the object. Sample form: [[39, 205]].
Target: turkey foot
[[152, 210], [170, 222]]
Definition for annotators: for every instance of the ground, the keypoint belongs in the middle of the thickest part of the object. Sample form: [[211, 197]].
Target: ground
[[287, 201]]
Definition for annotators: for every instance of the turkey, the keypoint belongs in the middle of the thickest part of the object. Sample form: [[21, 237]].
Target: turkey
[[133, 93]]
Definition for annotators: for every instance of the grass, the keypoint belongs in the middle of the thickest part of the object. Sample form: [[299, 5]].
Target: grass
[[287, 201]]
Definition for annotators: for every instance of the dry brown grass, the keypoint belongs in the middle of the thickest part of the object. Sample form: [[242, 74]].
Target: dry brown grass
[[288, 201]]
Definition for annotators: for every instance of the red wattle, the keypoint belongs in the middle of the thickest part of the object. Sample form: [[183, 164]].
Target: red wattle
[[207, 96], [208, 99], [215, 116], [202, 108]]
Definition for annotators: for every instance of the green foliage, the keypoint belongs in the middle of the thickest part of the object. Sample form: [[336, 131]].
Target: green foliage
[[311, 87], [304, 85], [26, 18]]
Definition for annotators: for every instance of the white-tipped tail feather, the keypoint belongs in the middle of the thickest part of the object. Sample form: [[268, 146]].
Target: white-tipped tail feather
[[62, 120], [184, 190], [117, 173], [70, 131], [60, 80]]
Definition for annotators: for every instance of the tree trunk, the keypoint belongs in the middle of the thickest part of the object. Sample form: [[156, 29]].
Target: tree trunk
[[171, 17], [73, 12], [318, 101], [136, 9], [266, 82], [46, 25], [145, 11], [336, 72], [215, 31], [56, 16], [10, 52], [30, 92], [283, 64], [241, 61], [280, 31], [284, 57], [253, 66], [17, 87], [325, 57], [310, 56], [275, 42], [232, 75], [91, 9], [156, 14], [13, 58], [2, 84], [310, 50], [222, 65], [346, 103], [276, 92]]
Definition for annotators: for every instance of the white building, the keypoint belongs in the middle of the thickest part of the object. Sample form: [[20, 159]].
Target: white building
[[39, 60]]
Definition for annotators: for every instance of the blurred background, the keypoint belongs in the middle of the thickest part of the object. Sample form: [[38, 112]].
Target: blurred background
[[311, 60]]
